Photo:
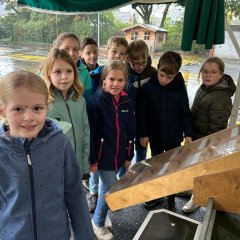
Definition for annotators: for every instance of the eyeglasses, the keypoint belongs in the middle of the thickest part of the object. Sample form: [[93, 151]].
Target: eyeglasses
[[139, 64], [206, 72]]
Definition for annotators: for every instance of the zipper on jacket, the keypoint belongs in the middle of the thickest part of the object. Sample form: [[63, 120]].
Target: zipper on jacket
[[31, 178], [118, 133], [68, 109], [100, 149], [129, 149]]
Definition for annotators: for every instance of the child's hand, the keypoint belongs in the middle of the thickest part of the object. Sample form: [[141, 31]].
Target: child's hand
[[127, 164], [144, 141], [187, 140], [93, 167]]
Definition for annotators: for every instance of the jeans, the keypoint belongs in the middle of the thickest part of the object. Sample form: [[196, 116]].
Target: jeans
[[141, 152], [108, 179], [93, 182], [121, 172]]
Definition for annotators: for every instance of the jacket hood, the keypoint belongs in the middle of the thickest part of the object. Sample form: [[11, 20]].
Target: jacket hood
[[50, 128], [225, 84]]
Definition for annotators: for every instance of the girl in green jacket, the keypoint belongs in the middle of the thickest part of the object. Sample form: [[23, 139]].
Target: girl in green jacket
[[212, 104], [71, 43], [67, 105]]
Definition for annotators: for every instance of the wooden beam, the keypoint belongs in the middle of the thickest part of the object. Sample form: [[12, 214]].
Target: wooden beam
[[223, 187], [174, 171]]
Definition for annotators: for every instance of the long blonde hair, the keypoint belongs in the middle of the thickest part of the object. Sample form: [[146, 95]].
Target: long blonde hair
[[53, 55]]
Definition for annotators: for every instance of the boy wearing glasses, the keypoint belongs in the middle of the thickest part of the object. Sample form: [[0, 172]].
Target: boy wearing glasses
[[164, 113], [140, 70]]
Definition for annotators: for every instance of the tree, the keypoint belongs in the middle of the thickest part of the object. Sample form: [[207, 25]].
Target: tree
[[164, 16], [233, 7], [144, 10]]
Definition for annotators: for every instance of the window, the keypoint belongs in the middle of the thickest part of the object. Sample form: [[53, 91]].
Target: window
[[134, 35], [146, 35], [160, 37]]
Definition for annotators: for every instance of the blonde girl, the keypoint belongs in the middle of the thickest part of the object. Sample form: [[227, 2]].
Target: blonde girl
[[71, 43], [40, 187], [68, 106], [112, 123]]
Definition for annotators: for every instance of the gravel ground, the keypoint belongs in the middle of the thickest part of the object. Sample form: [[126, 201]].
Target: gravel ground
[[127, 221]]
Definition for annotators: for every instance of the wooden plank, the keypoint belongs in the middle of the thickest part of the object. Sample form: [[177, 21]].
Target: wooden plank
[[224, 187], [174, 171]]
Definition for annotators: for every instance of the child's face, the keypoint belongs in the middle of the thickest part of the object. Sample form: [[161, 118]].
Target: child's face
[[164, 79], [138, 65], [116, 53], [61, 76], [90, 55], [71, 45], [114, 82], [25, 113], [211, 74]]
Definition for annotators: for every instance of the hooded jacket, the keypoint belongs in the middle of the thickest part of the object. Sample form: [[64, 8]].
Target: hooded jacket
[[112, 126], [74, 112], [40, 186], [164, 113], [85, 79], [212, 107]]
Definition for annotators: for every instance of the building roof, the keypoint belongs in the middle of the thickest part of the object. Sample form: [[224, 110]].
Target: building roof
[[147, 26]]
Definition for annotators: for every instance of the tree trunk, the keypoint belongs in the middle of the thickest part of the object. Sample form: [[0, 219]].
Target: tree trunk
[[164, 15], [145, 11]]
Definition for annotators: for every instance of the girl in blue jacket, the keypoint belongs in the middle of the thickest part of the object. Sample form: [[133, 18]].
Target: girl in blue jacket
[[112, 125], [68, 106], [40, 182]]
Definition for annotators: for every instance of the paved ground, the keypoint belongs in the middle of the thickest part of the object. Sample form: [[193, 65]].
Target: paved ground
[[126, 222]]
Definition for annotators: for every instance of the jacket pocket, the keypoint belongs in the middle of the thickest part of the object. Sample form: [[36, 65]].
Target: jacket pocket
[[100, 149]]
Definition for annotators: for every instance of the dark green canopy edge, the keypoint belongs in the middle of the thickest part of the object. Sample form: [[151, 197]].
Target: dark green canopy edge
[[203, 19]]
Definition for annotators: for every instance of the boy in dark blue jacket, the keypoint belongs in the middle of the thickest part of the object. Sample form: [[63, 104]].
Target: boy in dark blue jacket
[[164, 113]]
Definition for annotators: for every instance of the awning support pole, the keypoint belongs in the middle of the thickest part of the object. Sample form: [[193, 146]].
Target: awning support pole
[[236, 101]]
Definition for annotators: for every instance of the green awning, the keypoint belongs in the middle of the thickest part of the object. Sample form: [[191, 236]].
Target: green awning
[[203, 19], [72, 6], [203, 22]]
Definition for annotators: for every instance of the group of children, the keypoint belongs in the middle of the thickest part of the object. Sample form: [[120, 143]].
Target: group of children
[[102, 111]]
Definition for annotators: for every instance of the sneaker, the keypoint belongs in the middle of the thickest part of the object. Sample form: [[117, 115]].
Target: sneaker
[[189, 207], [92, 202], [154, 202], [102, 233], [86, 185]]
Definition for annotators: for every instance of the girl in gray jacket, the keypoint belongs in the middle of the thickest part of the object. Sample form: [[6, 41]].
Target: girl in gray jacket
[[40, 181]]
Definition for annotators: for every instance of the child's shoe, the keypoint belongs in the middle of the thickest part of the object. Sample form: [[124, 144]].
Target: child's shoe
[[102, 233], [108, 223], [189, 207]]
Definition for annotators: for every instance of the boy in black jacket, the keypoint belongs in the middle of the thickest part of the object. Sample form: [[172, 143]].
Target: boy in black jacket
[[140, 71], [164, 113]]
